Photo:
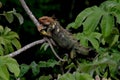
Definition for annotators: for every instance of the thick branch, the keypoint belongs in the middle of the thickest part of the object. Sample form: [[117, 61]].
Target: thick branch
[[30, 14], [13, 54]]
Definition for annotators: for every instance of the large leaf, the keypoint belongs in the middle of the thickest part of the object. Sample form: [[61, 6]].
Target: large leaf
[[11, 64], [107, 24], [98, 64], [92, 20], [8, 39], [82, 16], [93, 38], [4, 74]]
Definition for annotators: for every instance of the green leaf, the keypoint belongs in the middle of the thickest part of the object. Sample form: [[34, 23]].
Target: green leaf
[[10, 47], [67, 76], [117, 15], [94, 42], [8, 39], [16, 43], [83, 39], [24, 69], [11, 35], [92, 20], [35, 68], [82, 76], [112, 39], [1, 29], [6, 48], [42, 64], [2, 40], [9, 17], [107, 24], [49, 63], [44, 46], [1, 50], [82, 16], [12, 65], [96, 35], [71, 25], [19, 16], [4, 74], [71, 65], [110, 6], [6, 30], [45, 77]]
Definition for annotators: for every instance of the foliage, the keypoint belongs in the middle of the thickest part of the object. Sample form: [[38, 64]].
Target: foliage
[[101, 29], [37, 67], [8, 40], [75, 76], [9, 15], [100, 26], [7, 65], [8, 43]]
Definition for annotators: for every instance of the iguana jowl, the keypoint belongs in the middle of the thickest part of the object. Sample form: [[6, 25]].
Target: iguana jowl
[[62, 37]]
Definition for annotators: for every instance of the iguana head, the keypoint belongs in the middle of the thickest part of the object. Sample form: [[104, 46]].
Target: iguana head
[[47, 23]]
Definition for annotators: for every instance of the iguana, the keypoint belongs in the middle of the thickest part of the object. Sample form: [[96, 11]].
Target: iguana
[[61, 36]]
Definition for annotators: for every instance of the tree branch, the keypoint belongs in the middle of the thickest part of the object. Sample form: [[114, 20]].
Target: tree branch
[[53, 49], [39, 26], [13, 54], [35, 21]]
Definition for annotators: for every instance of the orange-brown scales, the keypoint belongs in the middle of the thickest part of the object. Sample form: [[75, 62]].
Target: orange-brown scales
[[61, 36]]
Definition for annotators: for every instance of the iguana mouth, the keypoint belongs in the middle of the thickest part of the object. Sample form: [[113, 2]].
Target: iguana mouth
[[44, 27]]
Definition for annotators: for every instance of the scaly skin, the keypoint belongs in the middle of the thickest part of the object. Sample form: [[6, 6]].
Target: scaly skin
[[62, 37]]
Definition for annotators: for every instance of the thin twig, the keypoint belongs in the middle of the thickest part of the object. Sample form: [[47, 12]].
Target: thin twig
[[53, 49], [13, 54]]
